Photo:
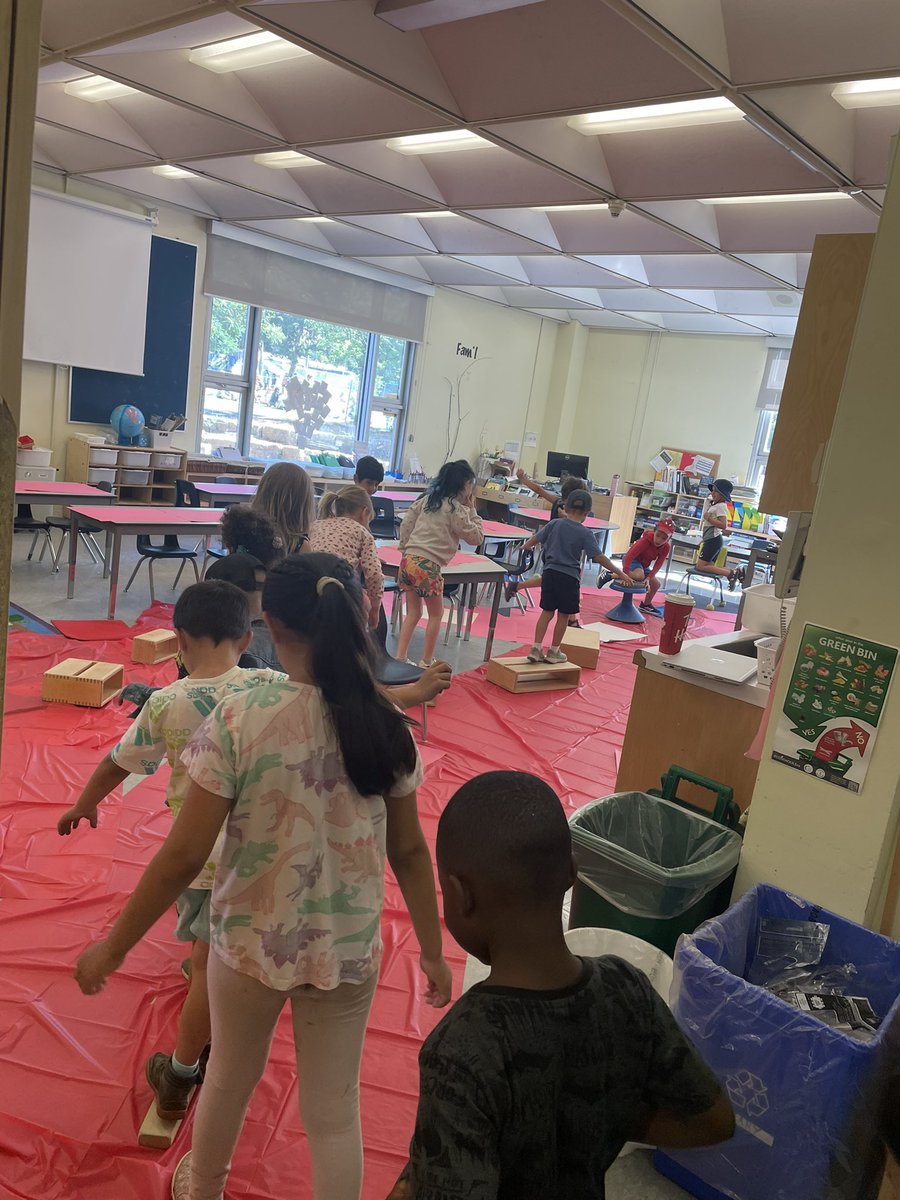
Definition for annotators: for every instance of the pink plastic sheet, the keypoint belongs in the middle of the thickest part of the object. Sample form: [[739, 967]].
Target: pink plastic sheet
[[72, 1088]]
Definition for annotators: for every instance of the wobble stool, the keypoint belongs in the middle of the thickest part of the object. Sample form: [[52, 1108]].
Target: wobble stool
[[625, 610]]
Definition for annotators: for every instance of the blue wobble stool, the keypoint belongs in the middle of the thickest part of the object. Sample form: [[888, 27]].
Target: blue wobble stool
[[625, 610]]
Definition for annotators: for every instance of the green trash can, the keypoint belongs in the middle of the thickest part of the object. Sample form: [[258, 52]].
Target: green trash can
[[650, 867]]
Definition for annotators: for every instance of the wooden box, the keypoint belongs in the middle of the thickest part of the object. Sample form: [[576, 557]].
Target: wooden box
[[155, 646], [519, 675], [82, 681], [582, 647]]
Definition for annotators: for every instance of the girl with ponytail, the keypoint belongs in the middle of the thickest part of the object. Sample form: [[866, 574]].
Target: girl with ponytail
[[343, 529], [315, 780]]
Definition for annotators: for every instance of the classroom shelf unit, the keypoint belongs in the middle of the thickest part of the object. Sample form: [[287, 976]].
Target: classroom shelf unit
[[203, 469], [137, 475]]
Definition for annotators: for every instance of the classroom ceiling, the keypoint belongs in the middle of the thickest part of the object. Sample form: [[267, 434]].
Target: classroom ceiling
[[523, 216]]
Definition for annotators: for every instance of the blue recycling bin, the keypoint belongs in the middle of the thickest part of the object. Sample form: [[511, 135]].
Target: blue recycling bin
[[805, 1095]]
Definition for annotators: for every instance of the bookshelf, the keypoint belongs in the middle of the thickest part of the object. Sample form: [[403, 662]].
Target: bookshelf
[[136, 474]]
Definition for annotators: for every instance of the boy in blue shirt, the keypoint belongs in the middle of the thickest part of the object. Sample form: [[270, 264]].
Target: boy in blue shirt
[[564, 541]]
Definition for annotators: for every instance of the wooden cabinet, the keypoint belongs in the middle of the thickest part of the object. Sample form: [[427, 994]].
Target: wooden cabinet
[[620, 510], [815, 374], [201, 469], [136, 474]]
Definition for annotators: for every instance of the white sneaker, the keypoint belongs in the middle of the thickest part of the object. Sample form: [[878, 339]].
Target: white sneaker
[[536, 654], [425, 663], [554, 655]]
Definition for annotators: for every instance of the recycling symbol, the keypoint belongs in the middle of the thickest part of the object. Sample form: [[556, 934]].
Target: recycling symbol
[[748, 1092]]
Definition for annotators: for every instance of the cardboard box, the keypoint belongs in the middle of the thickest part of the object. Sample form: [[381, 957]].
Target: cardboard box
[[582, 647], [519, 675], [82, 681], [154, 647]]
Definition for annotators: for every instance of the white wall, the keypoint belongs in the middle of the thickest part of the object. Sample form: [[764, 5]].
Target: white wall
[[643, 391], [502, 393]]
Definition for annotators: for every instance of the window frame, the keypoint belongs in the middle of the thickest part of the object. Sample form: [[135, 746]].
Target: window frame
[[759, 457], [245, 384]]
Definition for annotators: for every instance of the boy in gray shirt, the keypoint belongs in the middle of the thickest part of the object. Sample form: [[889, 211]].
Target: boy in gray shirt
[[564, 541]]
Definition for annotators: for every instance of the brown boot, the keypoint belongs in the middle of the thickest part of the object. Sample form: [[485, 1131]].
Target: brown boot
[[173, 1093]]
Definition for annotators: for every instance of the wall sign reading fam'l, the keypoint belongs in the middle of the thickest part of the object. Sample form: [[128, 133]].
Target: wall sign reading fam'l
[[835, 697]]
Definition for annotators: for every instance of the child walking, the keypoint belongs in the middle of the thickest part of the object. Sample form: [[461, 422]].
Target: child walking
[[315, 780], [429, 537], [212, 624], [564, 541], [343, 529]]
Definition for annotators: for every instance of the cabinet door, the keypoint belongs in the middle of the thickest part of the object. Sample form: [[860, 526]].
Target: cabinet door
[[815, 374]]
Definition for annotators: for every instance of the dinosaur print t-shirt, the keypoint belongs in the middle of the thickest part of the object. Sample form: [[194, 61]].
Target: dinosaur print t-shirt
[[166, 724], [300, 882]]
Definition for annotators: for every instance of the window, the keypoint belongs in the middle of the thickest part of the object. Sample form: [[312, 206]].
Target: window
[[767, 403], [279, 385], [762, 444]]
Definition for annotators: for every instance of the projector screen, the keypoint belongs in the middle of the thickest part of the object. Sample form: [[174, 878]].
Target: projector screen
[[86, 294]]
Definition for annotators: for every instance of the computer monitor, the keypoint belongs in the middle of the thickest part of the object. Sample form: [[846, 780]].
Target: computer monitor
[[560, 464]]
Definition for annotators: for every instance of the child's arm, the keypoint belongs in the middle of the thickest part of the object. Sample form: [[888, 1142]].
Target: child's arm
[[597, 557], [704, 1129], [531, 543], [410, 861], [106, 778], [373, 576], [408, 524], [434, 680], [467, 526], [550, 497], [183, 855], [717, 521]]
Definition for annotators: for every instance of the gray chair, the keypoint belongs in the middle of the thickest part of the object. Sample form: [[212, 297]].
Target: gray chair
[[26, 522], [86, 531]]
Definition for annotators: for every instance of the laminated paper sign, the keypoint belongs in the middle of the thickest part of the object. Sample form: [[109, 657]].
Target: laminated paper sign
[[836, 693]]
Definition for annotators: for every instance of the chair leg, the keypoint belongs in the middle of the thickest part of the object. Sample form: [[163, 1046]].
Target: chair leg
[[44, 551], [37, 534], [99, 555], [58, 555], [449, 622], [193, 563], [424, 722], [178, 576], [85, 541], [138, 565], [150, 573]]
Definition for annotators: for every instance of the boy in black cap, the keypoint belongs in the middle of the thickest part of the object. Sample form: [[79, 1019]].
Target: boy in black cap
[[536, 1078], [715, 523]]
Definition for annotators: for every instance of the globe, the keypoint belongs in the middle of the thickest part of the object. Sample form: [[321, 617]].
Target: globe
[[127, 422]]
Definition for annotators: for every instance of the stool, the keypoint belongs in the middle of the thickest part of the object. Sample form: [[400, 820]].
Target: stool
[[625, 610], [716, 580]]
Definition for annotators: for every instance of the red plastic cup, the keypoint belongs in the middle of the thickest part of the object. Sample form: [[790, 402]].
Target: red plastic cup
[[676, 617]]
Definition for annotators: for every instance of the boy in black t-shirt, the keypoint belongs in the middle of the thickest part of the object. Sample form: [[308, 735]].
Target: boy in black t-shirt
[[536, 1078]]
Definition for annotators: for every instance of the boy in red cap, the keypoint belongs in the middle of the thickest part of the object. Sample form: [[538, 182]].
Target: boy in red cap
[[643, 560]]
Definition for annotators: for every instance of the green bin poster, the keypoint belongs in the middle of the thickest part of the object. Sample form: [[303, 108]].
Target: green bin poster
[[836, 694]]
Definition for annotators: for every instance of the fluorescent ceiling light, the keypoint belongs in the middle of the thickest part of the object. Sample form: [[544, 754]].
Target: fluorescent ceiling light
[[97, 87], [868, 93], [437, 143], [790, 198], [238, 54], [315, 220], [708, 111], [435, 212], [282, 159], [554, 208], [168, 172]]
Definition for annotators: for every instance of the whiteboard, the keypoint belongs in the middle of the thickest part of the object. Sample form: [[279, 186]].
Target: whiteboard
[[86, 292]]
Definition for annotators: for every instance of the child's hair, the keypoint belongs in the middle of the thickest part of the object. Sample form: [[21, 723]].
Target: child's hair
[[570, 484], [246, 531], [345, 503], [213, 609], [448, 483], [506, 831], [579, 501], [369, 468], [318, 598], [238, 569], [285, 495]]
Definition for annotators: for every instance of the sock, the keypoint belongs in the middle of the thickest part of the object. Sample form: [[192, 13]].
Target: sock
[[183, 1071]]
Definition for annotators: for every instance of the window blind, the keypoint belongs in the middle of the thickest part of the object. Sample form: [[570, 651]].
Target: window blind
[[258, 275]]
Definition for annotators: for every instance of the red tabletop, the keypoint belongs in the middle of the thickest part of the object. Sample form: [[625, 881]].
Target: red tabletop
[[397, 497], [31, 487], [497, 529], [541, 514], [226, 489], [139, 514], [391, 556]]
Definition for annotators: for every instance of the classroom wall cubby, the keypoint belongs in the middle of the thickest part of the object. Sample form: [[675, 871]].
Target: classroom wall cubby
[[136, 475]]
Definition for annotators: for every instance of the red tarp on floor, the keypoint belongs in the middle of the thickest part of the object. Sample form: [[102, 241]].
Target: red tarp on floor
[[72, 1088]]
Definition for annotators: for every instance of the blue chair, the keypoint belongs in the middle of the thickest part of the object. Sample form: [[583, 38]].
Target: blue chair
[[625, 610]]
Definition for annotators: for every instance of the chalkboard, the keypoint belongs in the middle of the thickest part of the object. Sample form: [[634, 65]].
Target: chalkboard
[[162, 389]]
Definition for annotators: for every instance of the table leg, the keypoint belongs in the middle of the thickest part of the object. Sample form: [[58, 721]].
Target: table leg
[[473, 597], [114, 573], [669, 563], [107, 553], [492, 625], [73, 553]]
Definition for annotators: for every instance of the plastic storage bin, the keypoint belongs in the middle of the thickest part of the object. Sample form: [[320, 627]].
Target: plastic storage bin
[[134, 458], [38, 457], [99, 475], [166, 462], [135, 478], [766, 655], [804, 1094], [650, 867], [103, 457]]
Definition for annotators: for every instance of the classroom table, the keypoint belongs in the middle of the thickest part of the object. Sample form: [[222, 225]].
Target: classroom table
[[399, 485], [42, 491], [398, 499], [226, 493], [468, 570], [499, 531], [128, 521], [534, 518]]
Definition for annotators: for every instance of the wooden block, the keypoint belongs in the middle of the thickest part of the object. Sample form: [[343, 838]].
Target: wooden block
[[156, 1132], [519, 675], [582, 647], [82, 681], [154, 647]]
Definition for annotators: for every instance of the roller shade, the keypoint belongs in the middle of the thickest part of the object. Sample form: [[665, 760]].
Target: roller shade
[[253, 274], [773, 379]]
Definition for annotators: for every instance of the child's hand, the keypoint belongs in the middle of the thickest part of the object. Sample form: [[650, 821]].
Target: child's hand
[[94, 966], [520, 475], [69, 820], [624, 579], [435, 679], [440, 981], [400, 1190]]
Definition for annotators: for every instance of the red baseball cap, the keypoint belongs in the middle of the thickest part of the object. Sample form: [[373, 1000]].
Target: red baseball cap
[[666, 526]]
